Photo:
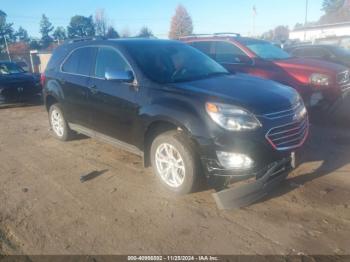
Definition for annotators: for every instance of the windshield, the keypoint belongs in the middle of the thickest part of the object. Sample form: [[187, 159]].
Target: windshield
[[10, 68], [173, 62], [339, 51], [268, 51]]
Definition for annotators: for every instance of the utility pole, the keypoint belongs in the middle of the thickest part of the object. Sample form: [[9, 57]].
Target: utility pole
[[306, 14], [253, 20], [7, 47]]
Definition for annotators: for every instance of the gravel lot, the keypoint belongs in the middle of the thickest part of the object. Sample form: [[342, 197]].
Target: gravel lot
[[46, 209]]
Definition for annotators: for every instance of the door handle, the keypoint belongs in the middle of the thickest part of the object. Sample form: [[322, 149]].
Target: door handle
[[93, 89]]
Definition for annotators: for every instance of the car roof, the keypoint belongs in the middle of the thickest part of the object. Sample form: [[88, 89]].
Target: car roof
[[313, 46], [6, 62], [119, 41], [238, 38]]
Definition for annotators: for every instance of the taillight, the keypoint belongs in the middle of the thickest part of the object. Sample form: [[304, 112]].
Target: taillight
[[42, 79]]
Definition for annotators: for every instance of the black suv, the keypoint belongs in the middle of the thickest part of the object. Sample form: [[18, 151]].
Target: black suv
[[179, 109]]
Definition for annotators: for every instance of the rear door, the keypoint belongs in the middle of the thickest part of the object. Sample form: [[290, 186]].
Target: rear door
[[114, 102], [207, 47], [75, 80], [232, 57]]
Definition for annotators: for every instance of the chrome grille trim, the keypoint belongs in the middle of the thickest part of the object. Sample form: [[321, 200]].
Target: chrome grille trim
[[301, 131], [345, 87], [280, 114], [297, 133]]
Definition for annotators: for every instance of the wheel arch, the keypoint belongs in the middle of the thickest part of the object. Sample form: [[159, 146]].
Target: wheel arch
[[158, 127], [49, 101]]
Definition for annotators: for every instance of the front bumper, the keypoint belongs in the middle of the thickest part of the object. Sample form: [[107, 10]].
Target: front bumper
[[250, 192]]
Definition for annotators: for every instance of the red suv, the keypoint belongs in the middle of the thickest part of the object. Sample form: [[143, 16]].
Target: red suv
[[318, 82]]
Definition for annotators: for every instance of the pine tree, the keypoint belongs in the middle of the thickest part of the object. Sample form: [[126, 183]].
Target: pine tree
[[59, 34], [112, 33], [330, 6], [45, 29], [22, 35], [336, 11]]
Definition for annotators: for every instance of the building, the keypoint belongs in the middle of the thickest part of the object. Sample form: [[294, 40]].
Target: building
[[39, 60], [312, 33]]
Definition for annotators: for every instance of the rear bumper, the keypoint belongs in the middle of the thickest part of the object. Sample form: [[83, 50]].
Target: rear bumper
[[248, 193]]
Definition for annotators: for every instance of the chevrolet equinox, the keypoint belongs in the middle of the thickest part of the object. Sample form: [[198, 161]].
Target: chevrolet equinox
[[185, 114]]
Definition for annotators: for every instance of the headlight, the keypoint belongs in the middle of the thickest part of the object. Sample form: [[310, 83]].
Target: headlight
[[320, 79], [234, 160], [231, 117]]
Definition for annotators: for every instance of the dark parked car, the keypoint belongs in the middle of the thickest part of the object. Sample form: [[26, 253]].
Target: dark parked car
[[341, 41], [183, 112], [320, 83], [330, 53], [16, 85]]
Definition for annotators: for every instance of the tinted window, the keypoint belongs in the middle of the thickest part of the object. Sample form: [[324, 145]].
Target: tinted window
[[169, 62], [229, 53], [56, 58], [10, 68], [315, 52], [267, 51], [80, 61], [298, 52], [205, 46], [109, 59], [339, 51]]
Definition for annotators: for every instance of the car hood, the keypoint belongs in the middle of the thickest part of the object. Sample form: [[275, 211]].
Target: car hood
[[258, 95], [310, 65]]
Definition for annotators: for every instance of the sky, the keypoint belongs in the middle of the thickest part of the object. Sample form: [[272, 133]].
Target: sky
[[209, 16]]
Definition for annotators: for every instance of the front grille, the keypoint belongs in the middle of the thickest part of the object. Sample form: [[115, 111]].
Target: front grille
[[289, 136], [345, 87], [285, 113], [343, 78]]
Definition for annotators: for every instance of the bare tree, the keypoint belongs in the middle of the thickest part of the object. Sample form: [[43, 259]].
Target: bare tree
[[125, 32], [101, 24], [181, 23]]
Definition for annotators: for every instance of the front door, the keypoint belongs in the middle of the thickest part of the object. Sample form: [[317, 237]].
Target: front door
[[114, 102]]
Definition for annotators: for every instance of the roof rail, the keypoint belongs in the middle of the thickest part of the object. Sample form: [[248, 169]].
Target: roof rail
[[214, 34], [81, 39], [228, 33]]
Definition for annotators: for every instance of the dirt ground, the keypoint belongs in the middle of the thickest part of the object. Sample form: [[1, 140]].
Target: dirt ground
[[46, 209]]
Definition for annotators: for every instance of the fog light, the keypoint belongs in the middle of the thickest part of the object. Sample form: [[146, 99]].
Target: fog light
[[234, 160]]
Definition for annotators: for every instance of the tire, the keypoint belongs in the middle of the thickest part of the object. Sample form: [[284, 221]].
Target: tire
[[58, 124], [182, 176]]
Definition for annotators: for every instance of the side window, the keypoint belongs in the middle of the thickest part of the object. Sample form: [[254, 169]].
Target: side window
[[315, 52], [109, 59], [205, 46], [229, 53], [299, 52], [80, 61]]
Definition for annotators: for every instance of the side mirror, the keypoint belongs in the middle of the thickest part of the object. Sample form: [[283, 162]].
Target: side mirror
[[122, 76]]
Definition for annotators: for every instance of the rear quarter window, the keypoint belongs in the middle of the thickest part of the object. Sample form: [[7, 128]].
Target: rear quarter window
[[56, 59], [80, 61]]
